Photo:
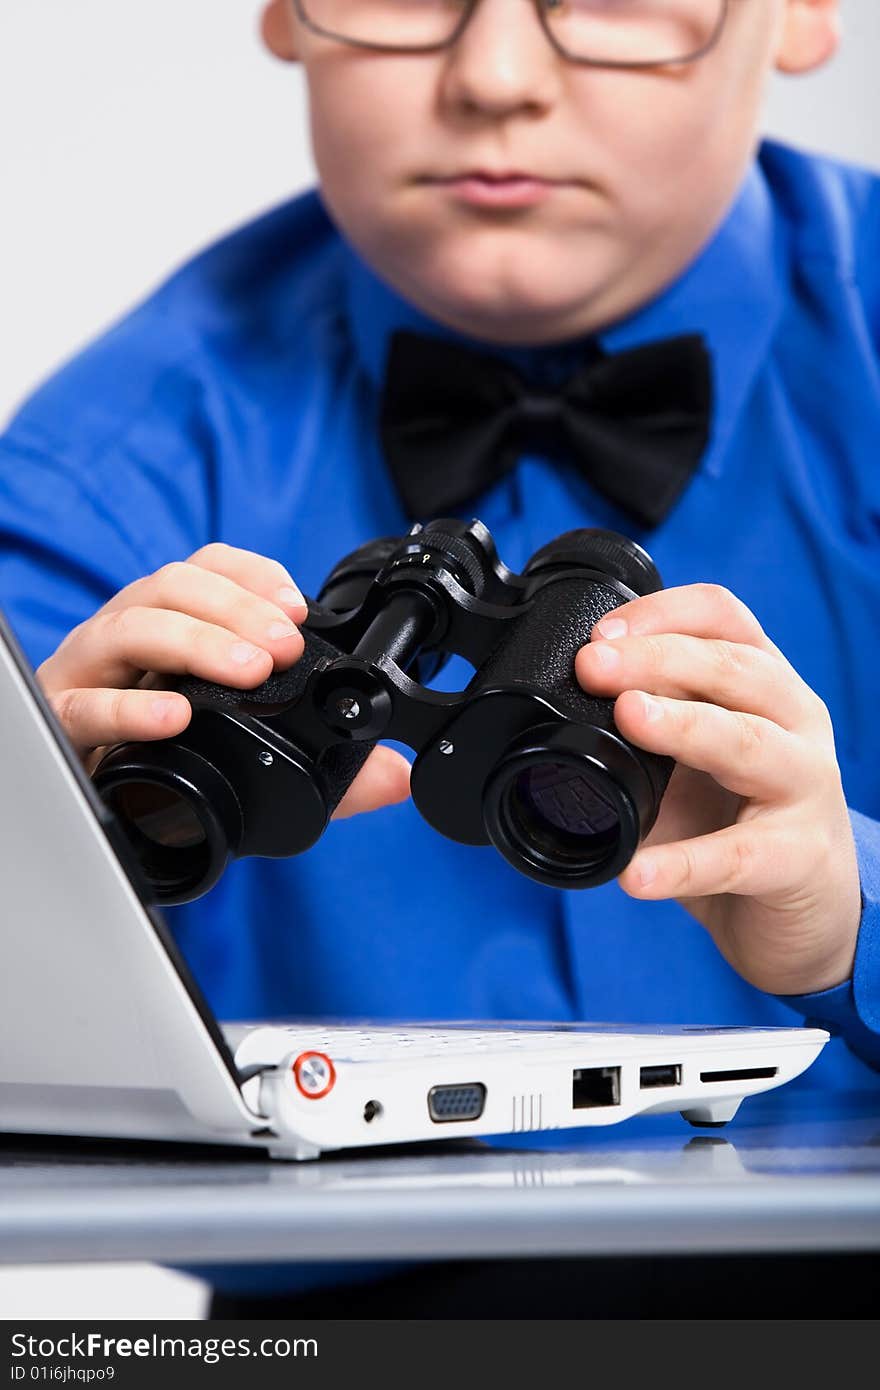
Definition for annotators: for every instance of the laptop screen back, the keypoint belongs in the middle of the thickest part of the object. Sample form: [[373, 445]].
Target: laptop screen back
[[98, 1011]]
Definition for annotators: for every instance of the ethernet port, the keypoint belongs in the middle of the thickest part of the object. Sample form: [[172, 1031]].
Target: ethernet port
[[593, 1087]]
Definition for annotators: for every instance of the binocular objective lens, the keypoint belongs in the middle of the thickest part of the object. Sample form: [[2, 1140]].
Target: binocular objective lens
[[562, 798], [164, 830], [564, 820], [159, 815]]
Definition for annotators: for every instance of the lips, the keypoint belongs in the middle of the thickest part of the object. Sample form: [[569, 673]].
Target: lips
[[495, 176], [489, 188]]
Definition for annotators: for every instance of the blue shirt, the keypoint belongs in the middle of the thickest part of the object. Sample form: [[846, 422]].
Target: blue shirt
[[239, 403]]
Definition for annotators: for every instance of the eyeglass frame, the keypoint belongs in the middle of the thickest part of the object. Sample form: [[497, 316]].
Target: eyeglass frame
[[471, 5]]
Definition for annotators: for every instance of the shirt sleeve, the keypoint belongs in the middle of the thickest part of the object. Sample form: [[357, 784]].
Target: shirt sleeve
[[63, 553], [852, 1009], [88, 505]]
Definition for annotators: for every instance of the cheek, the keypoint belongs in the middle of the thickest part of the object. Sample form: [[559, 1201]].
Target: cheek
[[677, 150], [359, 136]]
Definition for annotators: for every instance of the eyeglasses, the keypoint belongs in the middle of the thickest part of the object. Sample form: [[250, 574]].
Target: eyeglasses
[[602, 33]]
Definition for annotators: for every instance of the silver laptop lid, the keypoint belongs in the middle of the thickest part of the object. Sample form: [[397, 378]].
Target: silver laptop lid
[[93, 986]]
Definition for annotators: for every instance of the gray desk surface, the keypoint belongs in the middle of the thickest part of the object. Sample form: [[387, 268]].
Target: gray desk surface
[[794, 1171]]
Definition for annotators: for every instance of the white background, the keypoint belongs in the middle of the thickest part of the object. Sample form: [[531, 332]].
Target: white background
[[131, 134]]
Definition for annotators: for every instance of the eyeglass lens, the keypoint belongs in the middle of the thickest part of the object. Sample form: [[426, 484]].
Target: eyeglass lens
[[600, 31]]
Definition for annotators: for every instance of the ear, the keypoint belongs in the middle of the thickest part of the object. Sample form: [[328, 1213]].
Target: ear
[[279, 31], [810, 34]]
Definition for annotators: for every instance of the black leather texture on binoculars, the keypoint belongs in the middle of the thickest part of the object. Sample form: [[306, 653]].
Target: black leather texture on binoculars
[[339, 764], [540, 653]]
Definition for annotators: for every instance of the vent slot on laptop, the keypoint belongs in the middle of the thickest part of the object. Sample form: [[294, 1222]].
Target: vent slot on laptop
[[595, 1086], [740, 1074]]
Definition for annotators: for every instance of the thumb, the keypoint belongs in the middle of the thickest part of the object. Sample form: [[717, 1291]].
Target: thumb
[[382, 781]]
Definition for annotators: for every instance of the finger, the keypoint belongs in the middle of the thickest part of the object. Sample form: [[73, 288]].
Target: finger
[[750, 756], [214, 598], [115, 648], [738, 859], [94, 717], [731, 674], [382, 781], [697, 610], [259, 573]]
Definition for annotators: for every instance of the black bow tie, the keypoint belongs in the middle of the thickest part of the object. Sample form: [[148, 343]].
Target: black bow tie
[[454, 421]]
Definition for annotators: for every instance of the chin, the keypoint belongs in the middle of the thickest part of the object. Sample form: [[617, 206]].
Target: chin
[[504, 284], [501, 308]]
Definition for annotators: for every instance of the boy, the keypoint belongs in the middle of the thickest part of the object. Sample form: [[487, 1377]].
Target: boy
[[527, 183]]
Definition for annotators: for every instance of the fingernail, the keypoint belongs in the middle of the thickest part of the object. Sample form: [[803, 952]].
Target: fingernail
[[275, 631], [607, 658], [163, 708], [652, 709], [611, 628], [291, 597], [243, 652], [646, 872]]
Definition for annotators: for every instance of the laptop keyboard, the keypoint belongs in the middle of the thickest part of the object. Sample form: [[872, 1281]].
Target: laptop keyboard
[[362, 1043]]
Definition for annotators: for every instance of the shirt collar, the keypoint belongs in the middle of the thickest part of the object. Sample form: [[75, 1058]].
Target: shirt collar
[[731, 293]]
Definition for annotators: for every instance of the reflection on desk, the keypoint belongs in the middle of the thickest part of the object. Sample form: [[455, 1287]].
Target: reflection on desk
[[795, 1171]]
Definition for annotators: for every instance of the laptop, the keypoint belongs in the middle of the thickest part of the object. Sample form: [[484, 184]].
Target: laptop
[[104, 1032]]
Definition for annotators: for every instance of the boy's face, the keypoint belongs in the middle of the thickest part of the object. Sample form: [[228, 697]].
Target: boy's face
[[648, 162]]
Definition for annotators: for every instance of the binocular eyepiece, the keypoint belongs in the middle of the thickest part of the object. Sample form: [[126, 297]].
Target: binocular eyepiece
[[523, 758]]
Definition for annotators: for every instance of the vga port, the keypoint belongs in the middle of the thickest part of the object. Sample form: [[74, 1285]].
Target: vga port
[[447, 1104]]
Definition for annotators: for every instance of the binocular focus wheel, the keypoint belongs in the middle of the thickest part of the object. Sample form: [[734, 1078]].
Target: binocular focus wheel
[[364, 562]]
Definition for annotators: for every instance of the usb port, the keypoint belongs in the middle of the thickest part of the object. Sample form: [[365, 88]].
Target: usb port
[[669, 1075], [595, 1086]]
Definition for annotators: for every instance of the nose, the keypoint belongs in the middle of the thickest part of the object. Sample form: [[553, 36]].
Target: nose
[[503, 61]]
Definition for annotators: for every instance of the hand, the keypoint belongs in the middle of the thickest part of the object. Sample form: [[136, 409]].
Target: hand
[[225, 615], [753, 835]]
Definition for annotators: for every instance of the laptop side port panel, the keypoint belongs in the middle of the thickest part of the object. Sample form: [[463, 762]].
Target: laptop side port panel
[[595, 1087], [454, 1104], [666, 1075]]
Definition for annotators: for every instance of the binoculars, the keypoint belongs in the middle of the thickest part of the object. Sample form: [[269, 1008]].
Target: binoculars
[[522, 758]]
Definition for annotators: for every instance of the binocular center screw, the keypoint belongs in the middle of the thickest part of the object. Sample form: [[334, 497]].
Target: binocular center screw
[[266, 758], [348, 707], [446, 746]]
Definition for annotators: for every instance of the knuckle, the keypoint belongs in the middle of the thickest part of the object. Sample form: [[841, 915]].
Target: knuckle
[[686, 868], [280, 572], [686, 715], [116, 711], [214, 551], [715, 594], [170, 579], [205, 640], [731, 609], [823, 716], [727, 658], [721, 598], [120, 623], [655, 653], [827, 770], [71, 638], [749, 738], [66, 706], [245, 614], [741, 862]]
